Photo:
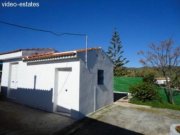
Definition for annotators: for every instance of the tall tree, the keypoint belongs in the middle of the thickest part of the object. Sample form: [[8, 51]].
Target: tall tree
[[115, 53], [165, 58]]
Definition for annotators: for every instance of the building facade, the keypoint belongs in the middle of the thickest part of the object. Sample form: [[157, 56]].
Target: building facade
[[58, 81]]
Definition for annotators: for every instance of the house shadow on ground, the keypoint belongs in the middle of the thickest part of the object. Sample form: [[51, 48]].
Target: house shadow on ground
[[118, 96], [89, 126]]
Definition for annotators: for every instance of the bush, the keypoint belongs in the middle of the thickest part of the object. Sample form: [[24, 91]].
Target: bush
[[149, 78], [144, 92]]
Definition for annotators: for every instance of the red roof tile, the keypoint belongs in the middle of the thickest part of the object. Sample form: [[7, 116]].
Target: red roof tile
[[48, 56], [55, 55]]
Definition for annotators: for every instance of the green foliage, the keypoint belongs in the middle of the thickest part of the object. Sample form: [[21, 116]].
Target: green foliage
[[122, 84], [175, 79], [115, 53], [166, 58], [120, 71], [131, 73], [156, 104], [144, 92], [142, 72], [149, 78]]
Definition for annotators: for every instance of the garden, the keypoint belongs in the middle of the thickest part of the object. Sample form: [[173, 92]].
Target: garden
[[126, 84]]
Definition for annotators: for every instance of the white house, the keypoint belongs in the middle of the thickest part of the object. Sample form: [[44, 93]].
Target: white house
[[162, 80], [58, 81]]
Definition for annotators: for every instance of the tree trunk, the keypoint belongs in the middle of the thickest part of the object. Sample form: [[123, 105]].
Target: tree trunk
[[171, 96], [169, 91]]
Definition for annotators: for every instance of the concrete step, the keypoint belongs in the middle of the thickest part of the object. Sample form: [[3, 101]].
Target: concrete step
[[124, 99]]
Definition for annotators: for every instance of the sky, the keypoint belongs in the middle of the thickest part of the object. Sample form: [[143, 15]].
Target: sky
[[139, 23]]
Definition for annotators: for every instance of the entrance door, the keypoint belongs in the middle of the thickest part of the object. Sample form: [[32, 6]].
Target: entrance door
[[13, 76], [64, 90]]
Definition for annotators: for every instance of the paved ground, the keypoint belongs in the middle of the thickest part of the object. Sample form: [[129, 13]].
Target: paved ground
[[116, 119], [126, 119], [20, 120]]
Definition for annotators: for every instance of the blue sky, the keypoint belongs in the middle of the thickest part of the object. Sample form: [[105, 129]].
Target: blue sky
[[139, 23]]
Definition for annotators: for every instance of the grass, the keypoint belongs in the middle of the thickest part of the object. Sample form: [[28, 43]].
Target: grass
[[157, 104], [122, 84]]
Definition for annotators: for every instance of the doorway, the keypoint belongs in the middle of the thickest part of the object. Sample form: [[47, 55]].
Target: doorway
[[13, 76], [64, 89]]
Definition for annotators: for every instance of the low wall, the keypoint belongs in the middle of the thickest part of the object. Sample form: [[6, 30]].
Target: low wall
[[41, 99]]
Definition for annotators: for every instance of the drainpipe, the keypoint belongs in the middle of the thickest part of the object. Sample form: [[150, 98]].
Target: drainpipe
[[94, 98], [86, 49]]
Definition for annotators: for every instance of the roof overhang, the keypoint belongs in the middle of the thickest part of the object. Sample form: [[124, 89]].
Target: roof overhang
[[50, 57], [9, 56]]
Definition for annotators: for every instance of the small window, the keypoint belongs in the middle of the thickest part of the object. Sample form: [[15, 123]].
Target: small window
[[0, 66], [100, 77]]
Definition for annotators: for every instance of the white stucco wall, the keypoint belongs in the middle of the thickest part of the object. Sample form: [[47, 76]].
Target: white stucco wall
[[92, 95], [45, 78], [5, 73], [45, 74], [11, 55], [38, 80], [161, 82]]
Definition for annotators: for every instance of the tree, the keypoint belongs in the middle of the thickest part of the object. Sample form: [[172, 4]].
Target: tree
[[115, 53], [166, 59]]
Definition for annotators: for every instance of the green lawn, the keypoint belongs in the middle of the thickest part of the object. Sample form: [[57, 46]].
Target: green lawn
[[122, 84], [157, 104]]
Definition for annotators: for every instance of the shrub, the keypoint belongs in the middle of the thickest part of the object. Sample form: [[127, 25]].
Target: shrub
[[149, 78], [120, 71], [144, 92]]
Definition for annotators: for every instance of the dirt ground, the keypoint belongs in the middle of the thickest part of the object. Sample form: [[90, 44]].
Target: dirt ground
[[125, 119], [17, 119]]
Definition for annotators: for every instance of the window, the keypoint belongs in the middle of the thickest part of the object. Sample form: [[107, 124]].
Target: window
[[100, 77]]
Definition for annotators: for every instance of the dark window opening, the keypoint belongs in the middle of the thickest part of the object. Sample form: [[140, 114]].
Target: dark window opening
[[0, 70], [100, 77], [0, 66]]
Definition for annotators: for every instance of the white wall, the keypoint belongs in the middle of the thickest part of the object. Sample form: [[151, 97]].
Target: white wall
[[5, 74], [11, 55], [161, 81], [92, 95], [86, 96], [45, 81]]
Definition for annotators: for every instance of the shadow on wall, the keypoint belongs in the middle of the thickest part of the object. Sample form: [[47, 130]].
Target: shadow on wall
[[106, 97], [41, 99], [70, 112], [89, 126]]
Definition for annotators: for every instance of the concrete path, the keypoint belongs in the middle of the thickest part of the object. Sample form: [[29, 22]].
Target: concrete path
[[126, 119], [20, 120]]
